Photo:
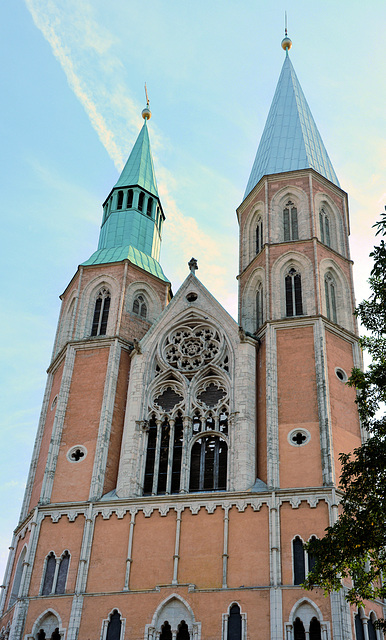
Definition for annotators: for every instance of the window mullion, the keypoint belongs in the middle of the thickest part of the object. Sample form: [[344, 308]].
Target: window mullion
[[157, 457]]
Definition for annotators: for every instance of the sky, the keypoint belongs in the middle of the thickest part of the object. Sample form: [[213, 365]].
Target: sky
[[72, 78]]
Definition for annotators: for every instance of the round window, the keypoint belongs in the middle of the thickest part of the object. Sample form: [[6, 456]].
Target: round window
[[77, 453], [341, 374], [191, 297], [298, 437]]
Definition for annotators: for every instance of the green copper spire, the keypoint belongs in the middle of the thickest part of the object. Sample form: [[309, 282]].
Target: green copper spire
[[139, 169], [290, 139], [132, 213]]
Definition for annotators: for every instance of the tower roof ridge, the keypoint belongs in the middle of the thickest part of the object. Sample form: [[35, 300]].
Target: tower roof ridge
[[139, 168], [290, 139]]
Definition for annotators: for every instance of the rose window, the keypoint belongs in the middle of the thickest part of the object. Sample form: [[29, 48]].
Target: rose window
[[189, 348]]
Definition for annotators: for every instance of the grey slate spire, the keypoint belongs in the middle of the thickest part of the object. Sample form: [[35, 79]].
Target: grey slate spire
[[290, 139]]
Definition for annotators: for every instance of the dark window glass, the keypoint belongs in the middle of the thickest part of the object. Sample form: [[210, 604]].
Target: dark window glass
[[140, 201], [299, 633], [195, 465], [49, 575], [298, 560], [329, 289], [55, 634], [286, 225], [183, 631], [149, 206], [259, 307], [327, 230], [293, 294], [298, 295], [166, 632], [62, 574], [120, 200], [150, 457], [321, 224], [371, 628], [41, 635], [177, 455], [234, 623], [163, 458], [359, 627], [140, 306], [294, 224], [130, 195], [101, 313], [290, 222], [208, 469], [114, 627], [17, 578], [315, 631], [311, 558]]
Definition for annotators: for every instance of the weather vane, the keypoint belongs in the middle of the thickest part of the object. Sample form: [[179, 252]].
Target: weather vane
[[147, 97], [285, 30]]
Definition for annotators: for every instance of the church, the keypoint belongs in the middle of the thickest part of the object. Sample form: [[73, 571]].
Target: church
[[183, 459]]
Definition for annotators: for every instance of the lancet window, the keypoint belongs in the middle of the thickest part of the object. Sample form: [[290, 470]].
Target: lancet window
[[55, 574], [330, 294], [17, 578], [324, 222], [259, 306], [140, 306], [186, 433], [120, 200], [101, 313], [290, 222], [114, 626], [130, 196], [140, 201], [303, 562], [149, 208], [259, 236], [234, 623], [293, 293]]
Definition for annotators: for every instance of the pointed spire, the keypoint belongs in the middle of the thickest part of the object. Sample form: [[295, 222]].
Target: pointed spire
[[139, 169], [290, 139]]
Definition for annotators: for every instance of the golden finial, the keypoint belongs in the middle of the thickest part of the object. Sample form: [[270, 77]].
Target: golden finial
[[146, 113], [286, 43]]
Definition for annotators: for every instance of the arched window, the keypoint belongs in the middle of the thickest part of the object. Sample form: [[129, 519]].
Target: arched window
[[259, 306], [293, 293], [140, 306], [324, 223], [315, 630], [55, 634], [164, 439], [62, 573], [41, 635], [114, 626], [17, 578], [49, 574], [149, 207], [101, 313], [120, 200], [183, 631], [234, 623], [259, 236], [371, 627], [290, 222], [130, 195], [299, 565], [208, 468], [140, 201], [310, 558], [359, 627], [166, 631], [329, 290], [299, 632]]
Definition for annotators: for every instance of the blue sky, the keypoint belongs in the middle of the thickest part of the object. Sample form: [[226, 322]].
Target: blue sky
[[72, 76]]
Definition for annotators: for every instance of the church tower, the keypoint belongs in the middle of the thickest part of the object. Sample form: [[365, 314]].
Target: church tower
[[182, 459]]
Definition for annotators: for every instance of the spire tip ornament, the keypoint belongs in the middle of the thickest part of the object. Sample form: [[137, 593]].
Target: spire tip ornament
[[286, 43], [146, 113], [193, 266]]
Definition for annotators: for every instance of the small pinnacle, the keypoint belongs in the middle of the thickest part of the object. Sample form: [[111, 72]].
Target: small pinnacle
[[192, 264]]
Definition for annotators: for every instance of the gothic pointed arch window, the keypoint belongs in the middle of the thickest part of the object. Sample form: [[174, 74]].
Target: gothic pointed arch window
[[149, 207], [140, 306], [315, 630], [17, 579], [120, 200], [330, 296], [371, 627], [299, 564], [49, 574], [183, 631], [208, 467], [165, 441], [114, 626], [259, 306], [324, 223], [259, 236], [101, 313], [61, 578], [299, 631], [359, 627], [166, 631], [140, 201], [234, 623], [293, 293], [290, 222], [130, 196]]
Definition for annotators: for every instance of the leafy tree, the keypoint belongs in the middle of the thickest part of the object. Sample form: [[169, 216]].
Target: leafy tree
[[356, 545]]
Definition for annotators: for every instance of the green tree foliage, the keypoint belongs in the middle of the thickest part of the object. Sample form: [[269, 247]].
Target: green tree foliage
[[356, 545]]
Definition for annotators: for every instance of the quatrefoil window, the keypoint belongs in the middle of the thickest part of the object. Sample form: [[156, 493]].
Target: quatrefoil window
[[77, 453], [212, 395], [299, 437], [168, 399]]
